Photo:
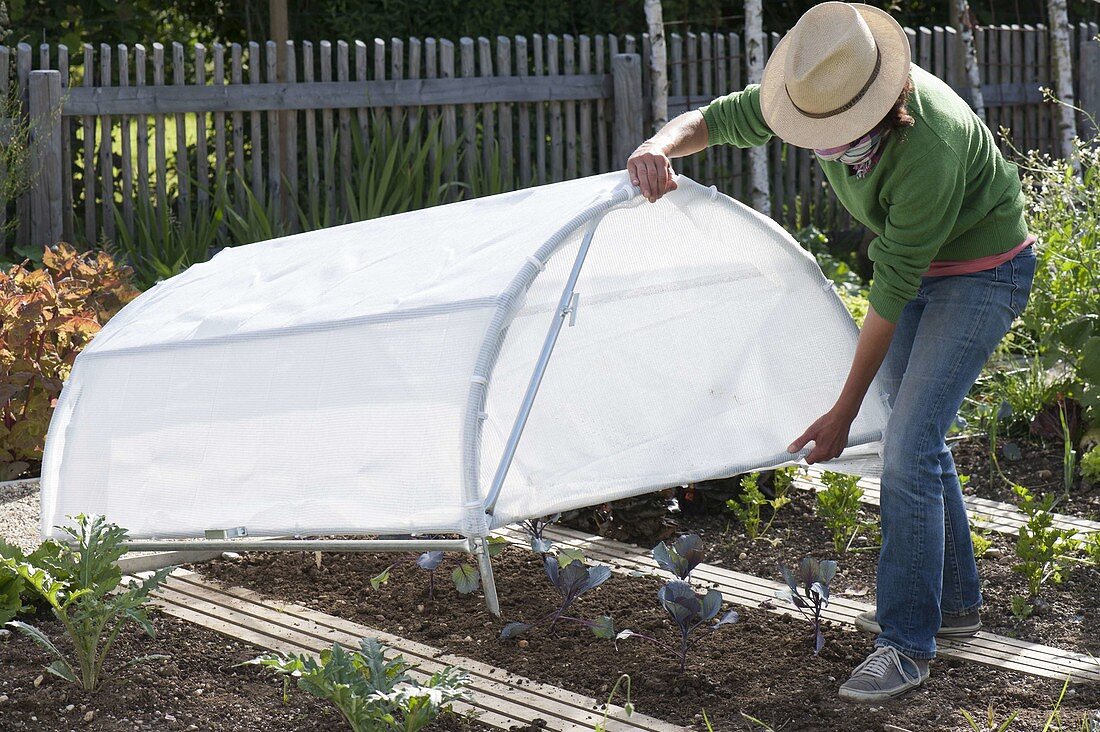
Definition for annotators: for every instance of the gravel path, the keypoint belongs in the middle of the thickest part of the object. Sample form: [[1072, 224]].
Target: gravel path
[[19, 513]]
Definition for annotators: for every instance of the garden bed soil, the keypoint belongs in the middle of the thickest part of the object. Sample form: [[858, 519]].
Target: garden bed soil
[[763, 666], [1038, 467], [1070, 620], [198, 687]]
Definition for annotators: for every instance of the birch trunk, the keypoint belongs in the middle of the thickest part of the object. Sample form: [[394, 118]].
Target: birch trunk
[[1063, 79], [658, 62], [965, 23], [754, 54]]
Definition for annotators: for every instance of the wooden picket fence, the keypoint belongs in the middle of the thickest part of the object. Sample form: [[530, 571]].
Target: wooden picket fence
[[132, 127]]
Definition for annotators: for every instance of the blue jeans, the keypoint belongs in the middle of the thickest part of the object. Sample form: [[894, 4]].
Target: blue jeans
[[944, 336]]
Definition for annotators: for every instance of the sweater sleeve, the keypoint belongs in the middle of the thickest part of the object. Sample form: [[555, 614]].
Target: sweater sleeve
[[922, 209], [736, 119]]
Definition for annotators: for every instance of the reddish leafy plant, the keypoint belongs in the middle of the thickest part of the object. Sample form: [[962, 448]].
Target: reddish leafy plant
[[47, 317]]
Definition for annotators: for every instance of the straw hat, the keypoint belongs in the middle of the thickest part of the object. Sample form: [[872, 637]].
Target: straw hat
[[835, 75]]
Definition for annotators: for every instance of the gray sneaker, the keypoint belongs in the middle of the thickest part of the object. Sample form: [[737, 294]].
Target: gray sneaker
[[885, 674], [951, 626]]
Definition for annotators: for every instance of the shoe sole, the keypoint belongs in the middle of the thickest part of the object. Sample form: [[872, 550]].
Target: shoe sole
[[875, 696], [966, 631]]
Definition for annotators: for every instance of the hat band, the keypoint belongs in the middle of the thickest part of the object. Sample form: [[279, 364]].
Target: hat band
[[851, 103]]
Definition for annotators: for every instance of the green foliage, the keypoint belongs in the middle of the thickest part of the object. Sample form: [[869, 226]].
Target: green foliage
[[164, 242], [47, 316], [990, 724], [1017, 395], [628, 707], [79, 583], [1041, 548], [15, 174], [980, 542], [373, 694], [1063, 316], [1090, 465], [1091, 546], [838, 507], [748, 505]]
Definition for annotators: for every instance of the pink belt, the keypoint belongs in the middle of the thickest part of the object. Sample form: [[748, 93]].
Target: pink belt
[[944, 268]]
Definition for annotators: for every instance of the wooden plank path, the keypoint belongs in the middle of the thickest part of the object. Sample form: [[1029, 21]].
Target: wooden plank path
[[1001, 517], [755, 592], [501, 699]]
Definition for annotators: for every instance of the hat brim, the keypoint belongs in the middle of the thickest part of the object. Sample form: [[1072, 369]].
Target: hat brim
[[797, 129]]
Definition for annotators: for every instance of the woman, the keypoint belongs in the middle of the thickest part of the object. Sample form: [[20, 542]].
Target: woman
[[953, 266]]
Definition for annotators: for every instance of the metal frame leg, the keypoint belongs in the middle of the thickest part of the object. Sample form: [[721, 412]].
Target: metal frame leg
[[488, 583]]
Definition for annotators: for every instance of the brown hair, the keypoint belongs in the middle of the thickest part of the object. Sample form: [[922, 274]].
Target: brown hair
[[898, 117]]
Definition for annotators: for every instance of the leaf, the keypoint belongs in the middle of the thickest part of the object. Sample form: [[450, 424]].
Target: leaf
[[819, 642], [430, 560], [466, 578], [1089, 363], [540, 545], [821, 592], [512, 630], [731, 617], [496, 545], [603, 627], [568, 555], [711, 605], [380, 579], [37, 636], [624, 634], [61, 668]]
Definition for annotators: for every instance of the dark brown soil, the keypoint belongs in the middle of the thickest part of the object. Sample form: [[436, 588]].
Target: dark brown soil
[[1038, 467], [1071, 619], [198, 687], [763, 666]]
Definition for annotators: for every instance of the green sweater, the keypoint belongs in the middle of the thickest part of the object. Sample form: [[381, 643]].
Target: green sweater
[[941, 190]]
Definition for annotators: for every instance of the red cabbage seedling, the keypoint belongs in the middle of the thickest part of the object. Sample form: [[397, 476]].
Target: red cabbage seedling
[[808, 590], [534, 529], [685, 554], [688, 609], [571, 581]]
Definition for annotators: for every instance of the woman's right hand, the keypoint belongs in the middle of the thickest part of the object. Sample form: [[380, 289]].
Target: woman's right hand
[[651, 170]]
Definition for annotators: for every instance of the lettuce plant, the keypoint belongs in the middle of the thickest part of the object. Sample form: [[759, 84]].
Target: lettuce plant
[[372, 694], [571, 580], [808, 590], [81, 585]]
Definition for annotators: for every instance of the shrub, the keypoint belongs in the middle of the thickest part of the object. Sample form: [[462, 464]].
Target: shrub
[[838, 507], [47, 316], [1062, 320], [1090, 465], [372, 694], [81, 585]]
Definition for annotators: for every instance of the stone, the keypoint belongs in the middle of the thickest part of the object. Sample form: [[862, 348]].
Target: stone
[[230, 555], [3, 698], [38, 681], [523, 643], [70, 707], [1045, 474], [89, 715], [742, 556]]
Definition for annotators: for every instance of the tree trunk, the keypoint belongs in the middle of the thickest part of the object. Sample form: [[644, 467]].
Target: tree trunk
[[1063, 79], [966, 22], [754, 53], [658, 62]]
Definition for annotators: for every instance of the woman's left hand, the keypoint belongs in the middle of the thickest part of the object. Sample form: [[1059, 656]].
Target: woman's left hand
[[829, 434]]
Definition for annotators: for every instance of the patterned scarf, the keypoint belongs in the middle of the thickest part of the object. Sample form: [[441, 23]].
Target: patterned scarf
[[861, 155]]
